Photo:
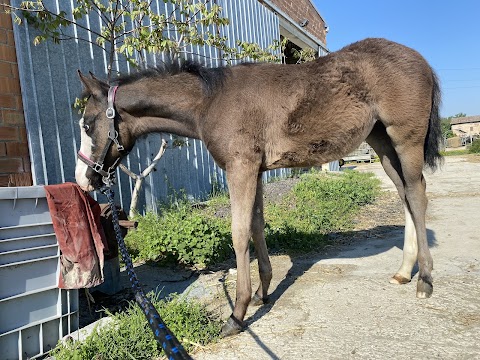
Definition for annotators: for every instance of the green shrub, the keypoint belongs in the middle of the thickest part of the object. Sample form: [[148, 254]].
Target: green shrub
[[319, 204], [128, 336], [475, 147], [181, 233]]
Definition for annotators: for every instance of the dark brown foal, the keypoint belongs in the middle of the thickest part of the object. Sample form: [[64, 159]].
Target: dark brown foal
[[257, 117]]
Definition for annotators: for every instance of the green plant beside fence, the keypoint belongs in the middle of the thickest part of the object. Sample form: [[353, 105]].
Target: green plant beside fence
[[181, 233], [319, 204], [129, 337]]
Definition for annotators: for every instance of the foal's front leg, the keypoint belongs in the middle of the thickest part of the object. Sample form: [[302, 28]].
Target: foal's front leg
[[242, 183]]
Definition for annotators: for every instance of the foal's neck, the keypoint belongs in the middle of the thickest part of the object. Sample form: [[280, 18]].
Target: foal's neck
[[172, 104]]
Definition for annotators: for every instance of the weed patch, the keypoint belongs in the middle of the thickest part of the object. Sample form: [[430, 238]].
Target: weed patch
[[475, 147], [319, 204], [181, 233], [129, 337], [453, 152]]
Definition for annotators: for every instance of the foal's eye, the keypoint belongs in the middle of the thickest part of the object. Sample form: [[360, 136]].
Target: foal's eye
[[86, 127]]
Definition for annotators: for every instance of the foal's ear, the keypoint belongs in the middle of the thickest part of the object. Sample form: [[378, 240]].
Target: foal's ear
[[93, 86], [92, 75]]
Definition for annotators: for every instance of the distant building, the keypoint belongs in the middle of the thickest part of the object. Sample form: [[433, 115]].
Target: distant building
[[466, 126]]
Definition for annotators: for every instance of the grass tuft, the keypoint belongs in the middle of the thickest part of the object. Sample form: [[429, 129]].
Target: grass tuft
[[454, 152], [129, 337], [475, 147]]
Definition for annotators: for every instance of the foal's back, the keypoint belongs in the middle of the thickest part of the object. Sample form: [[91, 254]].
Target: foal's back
[[312, 113]]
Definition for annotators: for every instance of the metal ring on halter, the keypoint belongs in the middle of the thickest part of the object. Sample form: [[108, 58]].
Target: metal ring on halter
[[111, 100], [109, 179], [115, 134], [110, 113]]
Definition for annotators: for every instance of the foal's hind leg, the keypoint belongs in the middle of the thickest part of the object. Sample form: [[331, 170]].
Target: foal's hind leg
[[258, 235], [411, 158], [382, 145], [410, 251]]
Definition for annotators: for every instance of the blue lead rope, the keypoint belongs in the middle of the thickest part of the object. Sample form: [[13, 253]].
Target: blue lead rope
[[167, 340]]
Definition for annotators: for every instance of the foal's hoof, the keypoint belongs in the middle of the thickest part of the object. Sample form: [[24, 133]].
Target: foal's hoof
[[257, 300], [399, 280], [231, 327], [424, 289]]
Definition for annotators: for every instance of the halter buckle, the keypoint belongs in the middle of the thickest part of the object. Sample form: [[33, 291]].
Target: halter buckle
[[97, 167], [114, 138]]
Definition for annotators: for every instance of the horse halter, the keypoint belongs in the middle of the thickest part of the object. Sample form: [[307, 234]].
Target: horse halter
[[108, 177]]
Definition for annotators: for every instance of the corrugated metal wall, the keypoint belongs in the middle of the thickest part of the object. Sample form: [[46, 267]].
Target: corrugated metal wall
[[50, 84]]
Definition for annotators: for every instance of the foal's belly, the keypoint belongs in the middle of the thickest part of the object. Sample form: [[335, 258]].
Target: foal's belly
[[309, 153], [295, 158]]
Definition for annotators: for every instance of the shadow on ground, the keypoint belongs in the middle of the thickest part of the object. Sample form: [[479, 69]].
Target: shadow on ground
[[357, 244], [175, 279]]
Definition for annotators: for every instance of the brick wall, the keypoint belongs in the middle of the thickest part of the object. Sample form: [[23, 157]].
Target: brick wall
[[14, 156], [303, 9]]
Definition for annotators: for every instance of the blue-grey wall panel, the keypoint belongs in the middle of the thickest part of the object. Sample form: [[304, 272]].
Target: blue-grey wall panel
[[50, 84]]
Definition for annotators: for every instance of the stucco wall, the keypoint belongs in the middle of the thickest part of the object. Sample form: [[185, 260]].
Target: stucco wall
[[466, 129]]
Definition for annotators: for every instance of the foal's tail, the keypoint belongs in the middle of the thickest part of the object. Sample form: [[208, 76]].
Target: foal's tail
[[434, 136]]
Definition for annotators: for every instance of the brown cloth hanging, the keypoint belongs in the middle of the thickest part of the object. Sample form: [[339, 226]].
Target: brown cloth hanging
[[76, 221]]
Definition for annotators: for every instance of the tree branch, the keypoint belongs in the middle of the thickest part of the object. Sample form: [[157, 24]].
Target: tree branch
[[100, 13], [70, 22], [141, 177]]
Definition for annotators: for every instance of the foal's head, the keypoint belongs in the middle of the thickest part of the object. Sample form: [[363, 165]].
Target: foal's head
[[105, 137]]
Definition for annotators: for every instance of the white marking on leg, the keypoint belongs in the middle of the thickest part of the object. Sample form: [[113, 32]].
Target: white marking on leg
[[410, 249], [81, 168]]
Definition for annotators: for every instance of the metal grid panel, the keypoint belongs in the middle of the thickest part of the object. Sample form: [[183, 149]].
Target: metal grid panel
[[30, 268]]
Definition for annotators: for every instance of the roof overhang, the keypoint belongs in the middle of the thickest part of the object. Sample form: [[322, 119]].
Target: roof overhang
[[294, 32]]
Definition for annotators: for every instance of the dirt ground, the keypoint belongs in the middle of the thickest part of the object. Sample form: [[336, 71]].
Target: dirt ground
[[339, 304]]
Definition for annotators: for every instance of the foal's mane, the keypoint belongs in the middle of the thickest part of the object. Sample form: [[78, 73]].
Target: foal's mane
[[212, 78]]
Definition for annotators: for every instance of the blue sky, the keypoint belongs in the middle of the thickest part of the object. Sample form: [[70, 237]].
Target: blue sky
[[446, 33]]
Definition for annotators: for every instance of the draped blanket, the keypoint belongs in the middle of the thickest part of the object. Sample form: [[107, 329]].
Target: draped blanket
[[76, 221]]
